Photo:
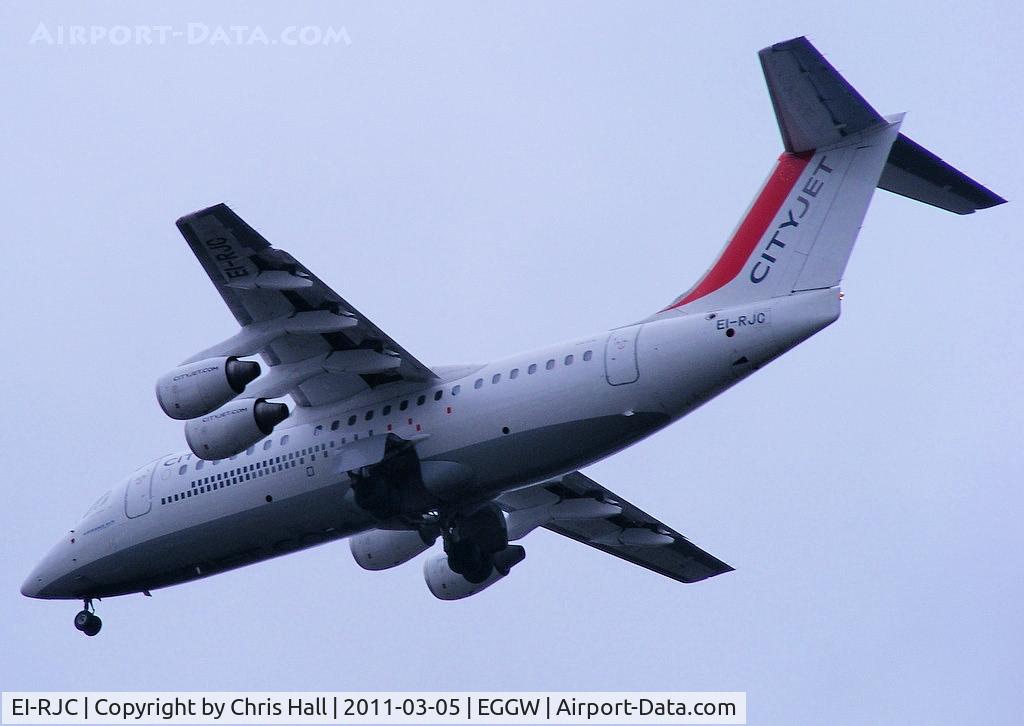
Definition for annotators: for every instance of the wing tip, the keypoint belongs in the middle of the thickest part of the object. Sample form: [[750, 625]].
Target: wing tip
[[213, 209], [782, 45]]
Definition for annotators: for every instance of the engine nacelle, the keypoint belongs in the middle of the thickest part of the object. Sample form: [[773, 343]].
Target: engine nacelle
[[198, 388], [381, 549], [233, 428], [447, 585]]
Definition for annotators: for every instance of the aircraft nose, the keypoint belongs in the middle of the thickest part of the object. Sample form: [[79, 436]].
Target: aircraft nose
[[42, 582], [34, 583]]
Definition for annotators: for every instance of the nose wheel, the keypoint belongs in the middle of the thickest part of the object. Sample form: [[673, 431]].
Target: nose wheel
[[87, 621]]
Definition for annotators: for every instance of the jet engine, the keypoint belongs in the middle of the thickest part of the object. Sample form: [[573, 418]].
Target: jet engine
[[447, 585], [197, 388], [233, 428], [381, 549]]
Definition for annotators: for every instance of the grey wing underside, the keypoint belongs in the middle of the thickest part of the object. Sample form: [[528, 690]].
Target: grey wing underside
[[261, 285], [619, 528]]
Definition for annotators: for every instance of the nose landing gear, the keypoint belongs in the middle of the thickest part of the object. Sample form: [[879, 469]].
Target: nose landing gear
[[87, 621]]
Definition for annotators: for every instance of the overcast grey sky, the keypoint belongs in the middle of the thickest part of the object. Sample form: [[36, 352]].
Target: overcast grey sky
[[480, 179]]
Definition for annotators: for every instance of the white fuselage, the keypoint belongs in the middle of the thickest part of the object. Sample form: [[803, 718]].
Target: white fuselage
[[511, 423]]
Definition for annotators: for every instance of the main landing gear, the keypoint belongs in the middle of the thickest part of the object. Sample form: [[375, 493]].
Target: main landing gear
[[87, 621], [472, 540]]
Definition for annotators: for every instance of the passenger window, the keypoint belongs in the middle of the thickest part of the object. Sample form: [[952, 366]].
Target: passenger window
[[369, 415], [455, 390], [248, 452], [182, 469], [479, 383], [352, 420], [568, 360], [284, 439], [335, 425], [550, 364], [421, 400], [513, 374], [438, 394], [588, 355], [532, 369], [318, 430], [386, 411], [496, 378], [199, 464], [403, 405], [268, 442]]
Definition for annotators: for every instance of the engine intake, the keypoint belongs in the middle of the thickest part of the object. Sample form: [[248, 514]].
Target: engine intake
[[447, 585], [198, 388], [233, 428]]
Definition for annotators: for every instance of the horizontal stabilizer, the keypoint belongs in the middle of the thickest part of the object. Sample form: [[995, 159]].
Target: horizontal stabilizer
[[913, 171], [814, 105]]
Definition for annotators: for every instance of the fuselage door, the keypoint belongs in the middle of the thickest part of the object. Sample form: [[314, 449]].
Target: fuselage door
[[620, 364], [138, 492]]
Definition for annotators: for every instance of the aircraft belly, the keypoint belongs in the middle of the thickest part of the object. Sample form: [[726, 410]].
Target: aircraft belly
[[519, 458], [217, 545], [301, 520]]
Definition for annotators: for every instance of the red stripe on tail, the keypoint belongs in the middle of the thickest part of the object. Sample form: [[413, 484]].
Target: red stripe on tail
[[751, 229]]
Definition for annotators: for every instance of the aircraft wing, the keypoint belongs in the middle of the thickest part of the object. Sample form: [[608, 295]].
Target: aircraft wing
[[323, 349], [579, 508]]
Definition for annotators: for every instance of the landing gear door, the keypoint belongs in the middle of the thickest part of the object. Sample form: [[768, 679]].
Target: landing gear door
[[138, 498], [620, 364]]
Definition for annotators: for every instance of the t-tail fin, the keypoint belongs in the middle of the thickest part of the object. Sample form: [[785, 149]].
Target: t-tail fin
[[799, 232]]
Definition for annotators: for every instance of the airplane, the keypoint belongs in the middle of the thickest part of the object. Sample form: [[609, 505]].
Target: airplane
[[395, 455]]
